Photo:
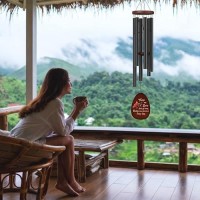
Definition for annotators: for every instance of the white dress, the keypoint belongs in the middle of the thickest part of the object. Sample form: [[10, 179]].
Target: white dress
[[37, 126]]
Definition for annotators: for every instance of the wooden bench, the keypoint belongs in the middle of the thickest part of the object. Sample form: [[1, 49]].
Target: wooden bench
[[101, 146]]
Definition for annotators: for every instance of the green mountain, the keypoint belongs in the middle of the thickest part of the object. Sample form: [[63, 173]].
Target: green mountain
[[76, 72], [5, 70]]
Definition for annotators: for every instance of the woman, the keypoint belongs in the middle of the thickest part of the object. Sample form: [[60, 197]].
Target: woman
[[43, 121]]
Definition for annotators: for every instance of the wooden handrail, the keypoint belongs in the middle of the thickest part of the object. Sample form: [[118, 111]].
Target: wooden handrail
[[4, 112], [182, 136], [10, 110]]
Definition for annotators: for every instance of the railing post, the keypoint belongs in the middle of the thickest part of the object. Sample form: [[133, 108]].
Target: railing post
[[140, 153], [3, 122], [182, 157]]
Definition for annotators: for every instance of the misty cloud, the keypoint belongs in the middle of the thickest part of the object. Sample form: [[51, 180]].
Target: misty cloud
[[103, 39], [188, 65], [100, 53]]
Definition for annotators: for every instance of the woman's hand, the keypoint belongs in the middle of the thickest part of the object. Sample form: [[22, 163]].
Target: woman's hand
[[81, 105]]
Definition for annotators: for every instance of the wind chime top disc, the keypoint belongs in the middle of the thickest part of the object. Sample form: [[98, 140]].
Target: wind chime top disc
[[140, 108]]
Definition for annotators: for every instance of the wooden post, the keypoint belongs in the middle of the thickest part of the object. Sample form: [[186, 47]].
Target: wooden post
[[140, 152], [106, 159], [31, 50], [182, 157], [3, 122], [81, 168]]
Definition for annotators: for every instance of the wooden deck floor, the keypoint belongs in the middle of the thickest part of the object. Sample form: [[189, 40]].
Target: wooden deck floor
[[131, 184]]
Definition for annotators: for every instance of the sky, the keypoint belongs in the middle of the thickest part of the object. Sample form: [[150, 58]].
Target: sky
[[56, 31]]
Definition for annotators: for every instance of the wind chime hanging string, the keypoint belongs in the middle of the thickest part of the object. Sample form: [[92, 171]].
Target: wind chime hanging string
[[142, 43]]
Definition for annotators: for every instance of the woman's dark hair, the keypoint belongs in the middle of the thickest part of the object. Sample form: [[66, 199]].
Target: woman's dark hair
[[53, 84]]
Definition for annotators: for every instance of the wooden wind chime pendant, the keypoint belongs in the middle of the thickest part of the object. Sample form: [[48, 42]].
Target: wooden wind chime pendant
[[140, 108], [142, 58]]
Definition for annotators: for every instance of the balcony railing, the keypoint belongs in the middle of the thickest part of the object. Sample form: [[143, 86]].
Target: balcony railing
[[181, 136]]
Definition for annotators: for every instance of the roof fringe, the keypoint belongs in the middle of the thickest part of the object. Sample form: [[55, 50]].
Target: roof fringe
[[58, 5]]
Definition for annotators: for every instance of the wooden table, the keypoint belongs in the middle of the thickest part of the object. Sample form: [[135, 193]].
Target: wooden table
[[101, 146]]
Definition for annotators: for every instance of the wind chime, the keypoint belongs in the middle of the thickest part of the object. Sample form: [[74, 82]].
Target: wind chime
[[142, 43], [142, 58]]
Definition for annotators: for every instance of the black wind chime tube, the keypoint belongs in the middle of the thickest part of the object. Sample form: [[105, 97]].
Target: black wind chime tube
[[142, 44], [144, 39], [140, 52], [149, 46], [135, 39]]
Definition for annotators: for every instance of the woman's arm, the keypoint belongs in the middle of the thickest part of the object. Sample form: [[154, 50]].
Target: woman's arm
[[59, 124]]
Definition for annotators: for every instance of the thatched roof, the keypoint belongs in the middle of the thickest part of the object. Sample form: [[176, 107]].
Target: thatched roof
[[58, 5]]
